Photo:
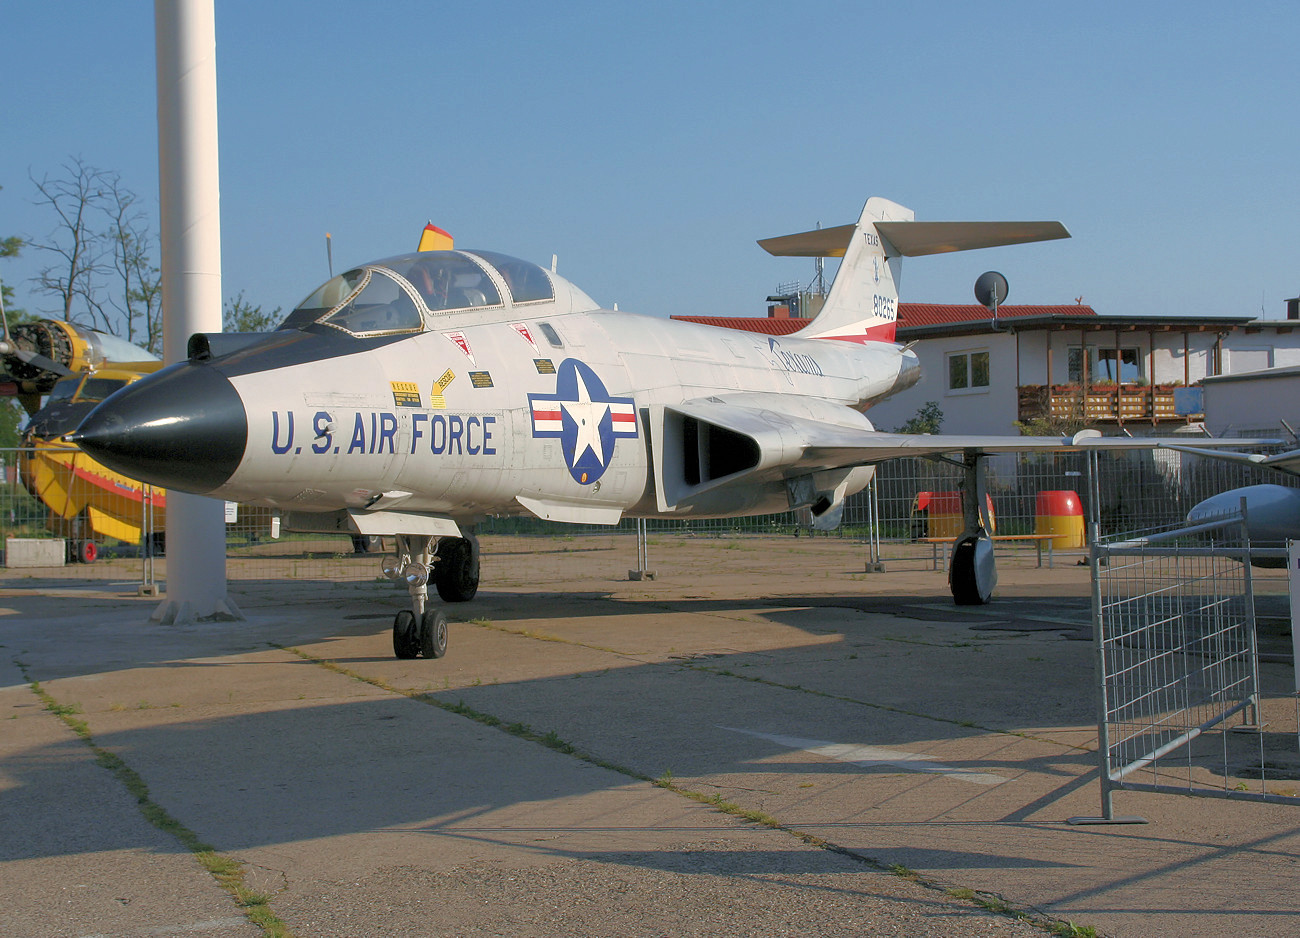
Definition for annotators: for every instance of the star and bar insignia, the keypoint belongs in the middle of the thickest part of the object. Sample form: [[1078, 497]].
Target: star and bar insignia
[[585, 417]]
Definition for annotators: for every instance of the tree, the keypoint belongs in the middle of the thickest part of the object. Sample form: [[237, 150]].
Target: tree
[[1052, 426], [139, 302], [101, 237], [74, 199], [9, 247], [242, 316], [927, 419]]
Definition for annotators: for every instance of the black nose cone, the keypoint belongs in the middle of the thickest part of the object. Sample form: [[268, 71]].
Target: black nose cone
[[183, 428]]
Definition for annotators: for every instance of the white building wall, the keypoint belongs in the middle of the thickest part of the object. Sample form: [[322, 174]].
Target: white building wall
[[1254, 403], [1273, 346], [989, 410]]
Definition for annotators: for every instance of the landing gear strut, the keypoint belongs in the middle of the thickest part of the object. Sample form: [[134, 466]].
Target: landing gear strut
[[454, 568], [973, 574]]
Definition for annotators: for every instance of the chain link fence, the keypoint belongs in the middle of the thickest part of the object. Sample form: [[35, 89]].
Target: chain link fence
[[71, 497]]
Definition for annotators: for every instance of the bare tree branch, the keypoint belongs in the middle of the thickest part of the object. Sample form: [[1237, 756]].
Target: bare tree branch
[[75, 199]]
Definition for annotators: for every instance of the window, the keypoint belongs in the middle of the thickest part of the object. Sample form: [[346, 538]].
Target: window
[[551, 335], [446, 280], [968, 371], [1127, 371], [1102, 365], [528, 283]]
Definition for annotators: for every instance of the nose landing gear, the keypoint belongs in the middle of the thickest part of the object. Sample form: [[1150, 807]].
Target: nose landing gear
[[454, 568]]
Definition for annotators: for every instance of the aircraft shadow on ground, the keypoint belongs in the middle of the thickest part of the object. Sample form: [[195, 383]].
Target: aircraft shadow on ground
[[272, 777], [301, 772]]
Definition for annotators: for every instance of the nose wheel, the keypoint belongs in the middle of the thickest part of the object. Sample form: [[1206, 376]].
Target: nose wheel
[[422, 629], [426, 636], [406, 637]]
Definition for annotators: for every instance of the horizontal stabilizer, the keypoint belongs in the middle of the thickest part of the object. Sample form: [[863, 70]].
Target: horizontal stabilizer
[[824, 242], [918, 238]]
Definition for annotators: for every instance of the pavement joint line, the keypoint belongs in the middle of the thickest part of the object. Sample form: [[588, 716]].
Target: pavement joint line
[[226, 871], [527, 633], [990, 902], [547, 637], [544, 637], [901, 711]]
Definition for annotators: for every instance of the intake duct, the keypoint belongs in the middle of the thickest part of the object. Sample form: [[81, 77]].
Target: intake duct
[[728, 454], [710, 452]]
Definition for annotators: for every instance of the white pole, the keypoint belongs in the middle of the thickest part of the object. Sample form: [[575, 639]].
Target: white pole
[[189, 194]]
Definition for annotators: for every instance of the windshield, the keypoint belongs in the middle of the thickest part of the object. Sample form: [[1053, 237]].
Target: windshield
[[119, 350], [325, 297], [63, 389], [382, 305], [96, 389], [392, 295]]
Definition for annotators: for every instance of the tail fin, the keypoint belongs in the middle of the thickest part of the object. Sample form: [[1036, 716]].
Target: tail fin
[[863, 303]]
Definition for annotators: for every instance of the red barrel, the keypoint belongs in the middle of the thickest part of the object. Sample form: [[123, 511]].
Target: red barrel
[[1060, 514], [945, 513]]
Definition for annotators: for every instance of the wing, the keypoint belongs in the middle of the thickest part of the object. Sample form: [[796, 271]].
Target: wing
[[744, 440], [1288, 462]]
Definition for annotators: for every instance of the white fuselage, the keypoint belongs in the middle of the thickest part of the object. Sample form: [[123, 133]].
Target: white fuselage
[[467, 419]]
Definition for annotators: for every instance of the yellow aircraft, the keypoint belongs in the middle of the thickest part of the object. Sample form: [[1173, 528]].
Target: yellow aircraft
[[77, 367]]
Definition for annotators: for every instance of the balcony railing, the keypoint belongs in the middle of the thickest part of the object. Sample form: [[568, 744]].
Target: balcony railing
[[1101, 404]]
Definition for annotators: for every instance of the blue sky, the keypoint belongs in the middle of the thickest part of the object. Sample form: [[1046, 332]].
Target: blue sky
[[650, 145]]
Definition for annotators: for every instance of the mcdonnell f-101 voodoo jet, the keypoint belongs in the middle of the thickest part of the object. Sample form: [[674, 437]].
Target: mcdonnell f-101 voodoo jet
[[412, 396]]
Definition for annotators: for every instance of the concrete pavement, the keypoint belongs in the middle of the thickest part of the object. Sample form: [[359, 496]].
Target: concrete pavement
[[816, 731]]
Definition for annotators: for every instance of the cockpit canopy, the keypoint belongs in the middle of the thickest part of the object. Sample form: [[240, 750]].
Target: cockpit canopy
[[399, 294]]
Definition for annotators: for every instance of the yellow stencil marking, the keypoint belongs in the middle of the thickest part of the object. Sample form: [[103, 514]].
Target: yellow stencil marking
[[436, 399]]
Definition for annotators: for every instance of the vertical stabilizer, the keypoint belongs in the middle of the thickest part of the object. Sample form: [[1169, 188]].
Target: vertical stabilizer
[[863, 303]]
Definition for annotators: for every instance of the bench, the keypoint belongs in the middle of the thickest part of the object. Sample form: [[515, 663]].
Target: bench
[[946, 544]]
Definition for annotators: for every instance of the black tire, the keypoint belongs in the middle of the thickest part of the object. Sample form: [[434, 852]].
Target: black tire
[[406, 637], [456, 572], [971, 576], [364, 543], [433, 633]]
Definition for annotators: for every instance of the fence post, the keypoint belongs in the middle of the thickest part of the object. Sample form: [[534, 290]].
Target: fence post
[[874, 563], [148, 544], [1095, 559], [1252, 721], [642, 555]]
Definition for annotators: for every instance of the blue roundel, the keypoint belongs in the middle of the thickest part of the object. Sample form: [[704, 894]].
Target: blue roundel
[[584, 416]]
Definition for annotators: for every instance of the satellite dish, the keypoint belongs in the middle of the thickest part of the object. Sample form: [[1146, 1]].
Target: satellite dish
[[991, 290]]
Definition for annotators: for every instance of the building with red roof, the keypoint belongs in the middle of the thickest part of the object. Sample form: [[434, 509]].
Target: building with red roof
[[1064, 364]]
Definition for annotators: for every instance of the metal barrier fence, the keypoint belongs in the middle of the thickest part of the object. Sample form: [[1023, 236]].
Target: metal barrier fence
[[1176, 661], [1137, 490]]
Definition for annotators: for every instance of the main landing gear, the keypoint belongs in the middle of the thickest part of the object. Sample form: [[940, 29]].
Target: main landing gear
[[972, 575], [453, 565]]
